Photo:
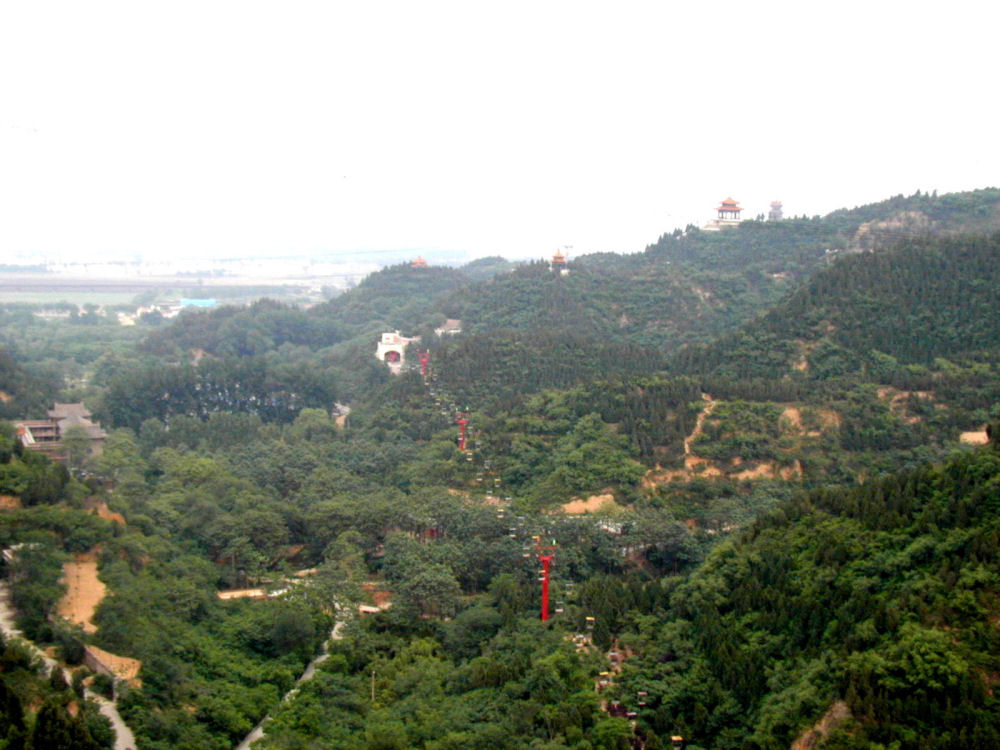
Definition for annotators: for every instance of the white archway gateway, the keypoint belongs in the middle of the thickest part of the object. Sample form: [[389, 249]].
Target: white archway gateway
[[391, 349]]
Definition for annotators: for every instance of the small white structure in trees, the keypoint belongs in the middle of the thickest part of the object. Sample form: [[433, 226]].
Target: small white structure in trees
[[391, 349]]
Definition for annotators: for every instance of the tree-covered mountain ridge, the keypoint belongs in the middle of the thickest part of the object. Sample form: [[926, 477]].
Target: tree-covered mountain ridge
[[800, 245], [694, 284], [525, 328], [883, 597], [688, 286], [880, 360], [922, 300]]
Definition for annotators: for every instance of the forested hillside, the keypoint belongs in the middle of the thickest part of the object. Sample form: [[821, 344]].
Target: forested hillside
[[748, 456], [399, 297], [799, 246], [498, 368], [39, 706], [926, 299], [654, 307], [243, 331], [875, 606], [610, 315], [23, 392], [685, 288]]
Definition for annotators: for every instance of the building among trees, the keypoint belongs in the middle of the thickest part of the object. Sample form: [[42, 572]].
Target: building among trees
[[560, 262], [49, 436], [391, 349]]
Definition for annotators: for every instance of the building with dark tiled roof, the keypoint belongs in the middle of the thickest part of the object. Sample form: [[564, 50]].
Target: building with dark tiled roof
[[45, 435]]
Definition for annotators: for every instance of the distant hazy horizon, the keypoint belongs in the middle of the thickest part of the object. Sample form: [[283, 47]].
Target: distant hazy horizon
[[242, 130], [434, 256]]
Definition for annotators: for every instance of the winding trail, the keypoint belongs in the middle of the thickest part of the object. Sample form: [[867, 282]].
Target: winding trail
[[699, 423], [124, 739], [258, 731]]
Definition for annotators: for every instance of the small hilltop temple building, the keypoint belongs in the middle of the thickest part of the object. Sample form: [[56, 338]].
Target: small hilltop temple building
[[775, 213], [560, 263], [728, 216]]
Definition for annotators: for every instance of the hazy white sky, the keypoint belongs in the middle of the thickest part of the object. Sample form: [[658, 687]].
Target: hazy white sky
[[185, 129]]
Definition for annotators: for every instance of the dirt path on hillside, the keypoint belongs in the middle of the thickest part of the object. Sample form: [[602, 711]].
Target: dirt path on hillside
[[793, 416], [103, 511], [691, 461], [84, 591], [699, 423], [124, 739]]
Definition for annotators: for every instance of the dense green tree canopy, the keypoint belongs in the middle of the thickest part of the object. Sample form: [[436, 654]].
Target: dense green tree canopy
[[790, 528]]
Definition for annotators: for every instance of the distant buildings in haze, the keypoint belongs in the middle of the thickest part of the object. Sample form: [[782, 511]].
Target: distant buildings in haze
[[728, 215]]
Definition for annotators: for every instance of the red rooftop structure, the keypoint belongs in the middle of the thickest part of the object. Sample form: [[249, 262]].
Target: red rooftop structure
[[560, 262], [729, 210]]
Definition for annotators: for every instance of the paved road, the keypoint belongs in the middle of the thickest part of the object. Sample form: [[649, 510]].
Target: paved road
[[124, 739]]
